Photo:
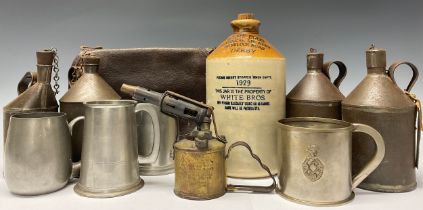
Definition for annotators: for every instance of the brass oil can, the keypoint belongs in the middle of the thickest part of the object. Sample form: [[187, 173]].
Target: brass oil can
[[245, 83], [315, 95], [200, 160], [39, 97], [378, 102], [89, 87]]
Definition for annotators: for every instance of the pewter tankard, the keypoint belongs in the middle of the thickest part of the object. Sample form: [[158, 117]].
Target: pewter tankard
[[38, 153], [109, 159], [151, 124], [316, 160]]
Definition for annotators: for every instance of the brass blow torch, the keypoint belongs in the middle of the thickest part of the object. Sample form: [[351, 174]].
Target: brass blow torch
[[200, 170]]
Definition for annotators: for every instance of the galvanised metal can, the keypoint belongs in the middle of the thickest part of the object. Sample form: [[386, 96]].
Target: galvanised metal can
[[378, 102], [315, 95]]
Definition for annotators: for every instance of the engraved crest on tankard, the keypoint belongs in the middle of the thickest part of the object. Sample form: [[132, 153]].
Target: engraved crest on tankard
[[312, 166]]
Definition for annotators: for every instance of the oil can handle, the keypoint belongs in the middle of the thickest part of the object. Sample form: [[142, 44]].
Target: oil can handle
[[377, 157], [29, 79], [153, 112], [76, 166], [261, 189], [394, 66], [341, 68]]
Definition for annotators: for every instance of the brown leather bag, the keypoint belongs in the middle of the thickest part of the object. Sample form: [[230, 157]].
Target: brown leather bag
[[181, 70]]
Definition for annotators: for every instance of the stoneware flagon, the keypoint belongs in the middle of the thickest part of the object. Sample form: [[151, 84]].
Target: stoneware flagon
[[245, 83]]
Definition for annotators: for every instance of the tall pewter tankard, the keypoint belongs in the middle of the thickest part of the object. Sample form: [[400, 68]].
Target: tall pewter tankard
[[109, 159], [167, 128], [38, 153], [379, 102], [315, 95], [316, 160], [89, 87]]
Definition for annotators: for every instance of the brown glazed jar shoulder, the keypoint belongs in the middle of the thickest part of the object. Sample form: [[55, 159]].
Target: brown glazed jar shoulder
[[245, 45], [377, 91]]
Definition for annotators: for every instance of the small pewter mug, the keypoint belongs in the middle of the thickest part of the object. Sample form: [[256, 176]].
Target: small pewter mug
[[38, 151], [316, 160], [109, 159], [152, 124]]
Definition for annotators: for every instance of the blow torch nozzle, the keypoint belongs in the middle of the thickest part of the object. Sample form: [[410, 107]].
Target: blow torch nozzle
[[128, 89], [142, 94], [171, 103]]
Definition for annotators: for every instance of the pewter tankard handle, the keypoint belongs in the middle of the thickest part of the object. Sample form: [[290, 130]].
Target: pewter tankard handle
[[341, 68], [150, 110], [377, 157], [29, 79], [394, 66], [76, 166], [261, 189]]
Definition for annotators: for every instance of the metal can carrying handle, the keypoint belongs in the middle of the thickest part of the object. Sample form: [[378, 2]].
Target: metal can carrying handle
[[342, 69], [150, 110], [394, 66], [391, 72], [261, 189], [28, 80], [377, 157]]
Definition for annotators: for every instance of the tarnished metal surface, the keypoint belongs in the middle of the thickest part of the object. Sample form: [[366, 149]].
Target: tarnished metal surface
[[397, 172], [200, 175], [315, 95], [200, 171], [151, 123], [316, 160], [28, 80], [37, 98], [378, 102], [90, 87], [38, 153]]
